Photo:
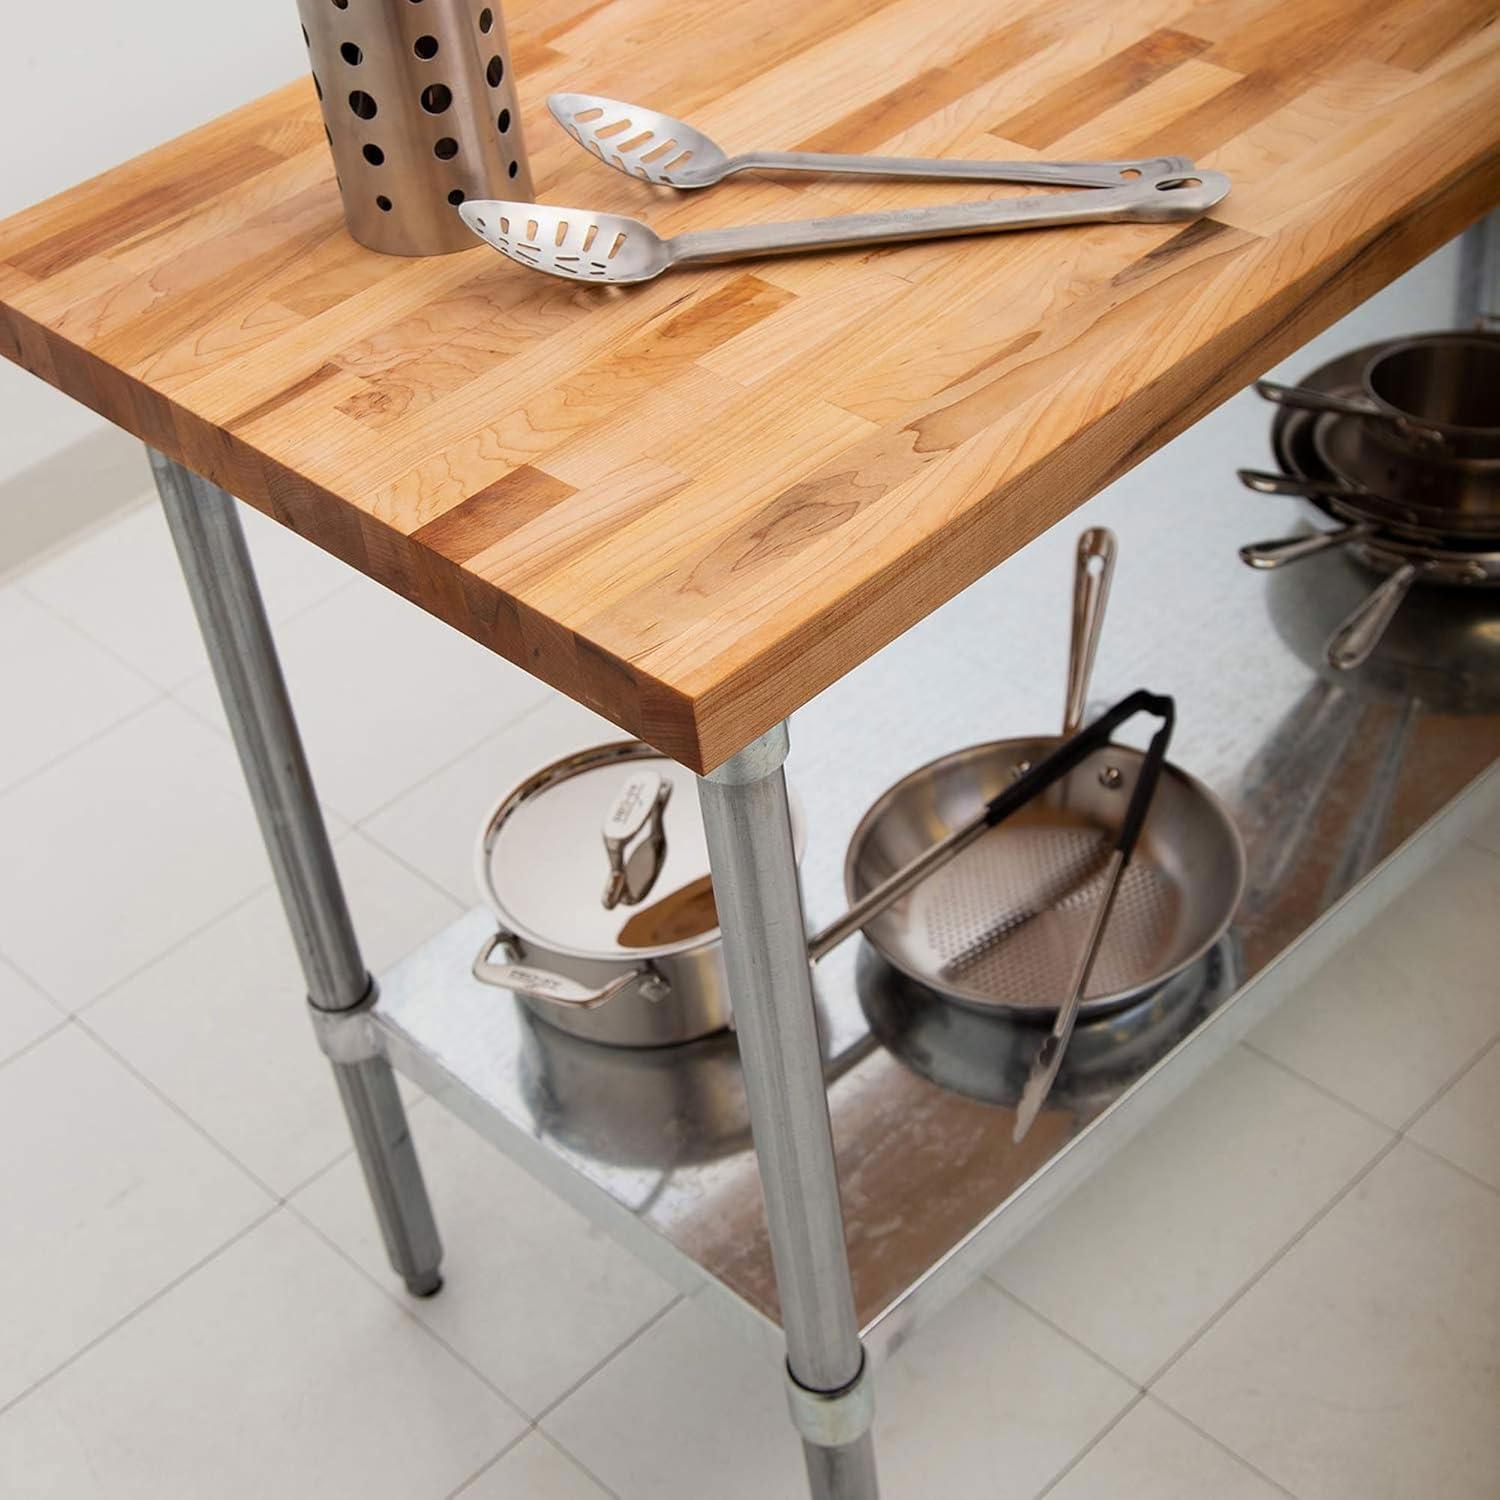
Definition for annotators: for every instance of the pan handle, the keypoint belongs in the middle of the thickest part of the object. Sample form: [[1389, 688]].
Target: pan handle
[[556, 989], [1093, 573], [1306, 399], [1359, 635], [1263, 482], [1290, 549]]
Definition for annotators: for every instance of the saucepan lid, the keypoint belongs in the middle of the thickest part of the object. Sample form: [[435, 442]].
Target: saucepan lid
[[553, 860], [602, 855]]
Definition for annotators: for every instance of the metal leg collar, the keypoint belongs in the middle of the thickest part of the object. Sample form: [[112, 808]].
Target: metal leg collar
[[833, 1419], [347, 1036]]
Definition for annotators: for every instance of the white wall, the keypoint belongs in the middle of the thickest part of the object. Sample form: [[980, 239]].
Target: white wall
[[88, 83]]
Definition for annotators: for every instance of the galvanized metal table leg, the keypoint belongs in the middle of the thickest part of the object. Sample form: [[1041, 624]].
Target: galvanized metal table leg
[[1479, 275], [221, 581], [765, 949]]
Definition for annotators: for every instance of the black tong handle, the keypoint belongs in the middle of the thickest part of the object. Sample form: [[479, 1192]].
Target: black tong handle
[[1083, 744]]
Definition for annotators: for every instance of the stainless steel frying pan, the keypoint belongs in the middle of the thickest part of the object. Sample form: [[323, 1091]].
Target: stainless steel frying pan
[[1000, 925]]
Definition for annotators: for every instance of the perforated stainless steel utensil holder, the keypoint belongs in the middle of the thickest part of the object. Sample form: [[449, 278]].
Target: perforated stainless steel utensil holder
[[420, 106]]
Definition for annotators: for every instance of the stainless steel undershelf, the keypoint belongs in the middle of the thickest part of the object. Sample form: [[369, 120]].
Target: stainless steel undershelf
[[1346, 789]]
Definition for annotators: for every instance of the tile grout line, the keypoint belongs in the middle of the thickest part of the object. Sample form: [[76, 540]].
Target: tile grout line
[[1275, 1260], [1320, 1088], [171, 690], [359, 830], [400, 1302], [1474, 843], [269, 1212], [1061, 1332], [1223, 1447], [35, 1042], [171, 1104], [69, 623], [506, 728], [121, 980], [1453, 1166], [54, 761], [577, 1462], [1091, 1444], [488, 1464], [1451, 1083], [614, 1353]]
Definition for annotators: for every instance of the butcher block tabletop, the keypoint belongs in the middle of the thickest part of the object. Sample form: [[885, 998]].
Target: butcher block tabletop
[[694, 503]]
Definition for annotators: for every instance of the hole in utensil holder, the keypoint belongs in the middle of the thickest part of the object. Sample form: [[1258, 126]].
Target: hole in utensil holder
[[374, 155], [512, 169], [426, 47], [383, 204], [494, 72], [486, 20], [456, 197], [363, 104], [436, 97], [351, 54], [503, 121], [445, 149]]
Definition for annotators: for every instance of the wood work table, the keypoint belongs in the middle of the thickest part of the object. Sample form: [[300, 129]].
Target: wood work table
[[693, 504]]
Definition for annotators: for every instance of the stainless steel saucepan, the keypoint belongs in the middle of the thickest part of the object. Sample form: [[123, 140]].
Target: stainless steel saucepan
[[641, 966]]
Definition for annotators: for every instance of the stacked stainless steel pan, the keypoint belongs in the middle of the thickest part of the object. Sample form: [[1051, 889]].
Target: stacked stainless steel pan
[[1399, 443]]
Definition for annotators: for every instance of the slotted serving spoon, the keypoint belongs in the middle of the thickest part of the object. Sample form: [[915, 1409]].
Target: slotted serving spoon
[[610, 248], [657, 148]]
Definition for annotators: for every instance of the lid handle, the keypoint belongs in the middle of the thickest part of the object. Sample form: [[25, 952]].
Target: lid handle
[[636, 810], [554, 988]]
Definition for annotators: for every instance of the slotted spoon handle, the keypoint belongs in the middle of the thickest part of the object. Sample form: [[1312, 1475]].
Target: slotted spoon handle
[[1095, 174], [1154, 200]]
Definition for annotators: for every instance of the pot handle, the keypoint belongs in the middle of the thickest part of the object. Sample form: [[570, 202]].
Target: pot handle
[[1290, 549], [553, 988], [1304, 398], [1359, 635]]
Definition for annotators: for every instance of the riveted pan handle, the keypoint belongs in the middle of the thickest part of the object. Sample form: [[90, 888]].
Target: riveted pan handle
[[554, 988], [1290, 549]]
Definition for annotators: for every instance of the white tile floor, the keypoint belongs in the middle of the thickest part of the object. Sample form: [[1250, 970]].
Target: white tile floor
[[1287, 1286]]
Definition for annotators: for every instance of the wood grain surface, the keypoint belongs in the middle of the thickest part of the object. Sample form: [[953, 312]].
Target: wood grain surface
[[693, 504]]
